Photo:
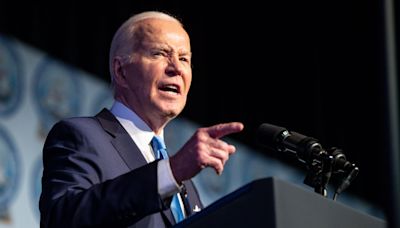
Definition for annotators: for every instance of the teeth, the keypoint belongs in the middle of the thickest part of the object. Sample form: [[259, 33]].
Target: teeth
[[171, 88]]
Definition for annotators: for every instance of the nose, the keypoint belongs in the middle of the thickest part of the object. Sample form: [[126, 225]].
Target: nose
[[174, 67]]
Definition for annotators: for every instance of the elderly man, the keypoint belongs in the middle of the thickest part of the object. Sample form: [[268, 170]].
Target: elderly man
[[112, 170]]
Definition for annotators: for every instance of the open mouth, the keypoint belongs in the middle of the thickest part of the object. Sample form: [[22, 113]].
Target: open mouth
[[170, 88]]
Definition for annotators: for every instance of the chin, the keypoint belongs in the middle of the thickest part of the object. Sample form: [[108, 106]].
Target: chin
[[172, 110], [173, 113]]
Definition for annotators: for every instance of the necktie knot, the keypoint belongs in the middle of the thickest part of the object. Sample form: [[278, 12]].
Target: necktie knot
[[158, 143], [159, 148]]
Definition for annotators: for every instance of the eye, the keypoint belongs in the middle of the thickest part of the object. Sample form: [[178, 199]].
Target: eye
[[159, 53], [184, 59]]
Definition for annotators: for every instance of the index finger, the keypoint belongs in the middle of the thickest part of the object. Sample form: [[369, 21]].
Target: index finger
[[220, 130]]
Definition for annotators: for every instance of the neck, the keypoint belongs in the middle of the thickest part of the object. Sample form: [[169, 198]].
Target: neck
[[156, 124]]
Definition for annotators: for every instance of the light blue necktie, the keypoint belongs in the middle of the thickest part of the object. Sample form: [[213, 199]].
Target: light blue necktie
[[160, 151]]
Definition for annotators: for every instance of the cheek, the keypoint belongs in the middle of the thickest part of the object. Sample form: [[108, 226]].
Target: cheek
[[187, 79], [141, 78], [188, 83]]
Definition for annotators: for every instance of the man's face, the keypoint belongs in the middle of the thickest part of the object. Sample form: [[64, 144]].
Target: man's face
[[159, 72]]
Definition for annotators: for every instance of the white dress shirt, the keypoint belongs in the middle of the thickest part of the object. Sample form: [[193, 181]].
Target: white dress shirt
[[142, 135]]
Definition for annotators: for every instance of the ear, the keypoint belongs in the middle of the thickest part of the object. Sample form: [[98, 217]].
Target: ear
[[119, 72]]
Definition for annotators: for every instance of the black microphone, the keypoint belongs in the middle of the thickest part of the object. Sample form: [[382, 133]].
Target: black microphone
[[280, 139], [321, 163], [306, 148]]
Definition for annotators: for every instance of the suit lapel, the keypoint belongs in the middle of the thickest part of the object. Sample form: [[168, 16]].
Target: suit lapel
[[121, 140], [126, 147], [134, 159]]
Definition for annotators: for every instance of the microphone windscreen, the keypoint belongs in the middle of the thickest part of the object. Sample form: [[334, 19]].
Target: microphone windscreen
[[267, 134]]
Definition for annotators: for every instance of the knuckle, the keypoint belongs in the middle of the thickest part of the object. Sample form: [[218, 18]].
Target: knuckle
[[201, 135], [202, 147]]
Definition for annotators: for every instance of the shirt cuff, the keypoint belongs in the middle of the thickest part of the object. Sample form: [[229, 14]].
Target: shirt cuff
[[167, 185]]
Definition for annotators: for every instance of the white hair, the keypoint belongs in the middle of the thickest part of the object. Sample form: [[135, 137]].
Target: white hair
[[123, 40]]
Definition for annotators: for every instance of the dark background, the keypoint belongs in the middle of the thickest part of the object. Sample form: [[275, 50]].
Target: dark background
[[315, 67]]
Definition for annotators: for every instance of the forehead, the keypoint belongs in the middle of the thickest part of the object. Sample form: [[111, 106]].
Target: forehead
[[161, 31]]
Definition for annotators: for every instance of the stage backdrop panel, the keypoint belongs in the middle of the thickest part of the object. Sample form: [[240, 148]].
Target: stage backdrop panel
[[36, 90]]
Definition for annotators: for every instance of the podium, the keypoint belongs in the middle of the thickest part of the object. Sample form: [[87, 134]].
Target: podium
[[274, 203]]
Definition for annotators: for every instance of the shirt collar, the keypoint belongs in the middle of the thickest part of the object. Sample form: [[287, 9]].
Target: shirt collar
[[141, 129]]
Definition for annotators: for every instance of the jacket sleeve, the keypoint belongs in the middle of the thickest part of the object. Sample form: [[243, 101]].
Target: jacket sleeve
[[75, 193]]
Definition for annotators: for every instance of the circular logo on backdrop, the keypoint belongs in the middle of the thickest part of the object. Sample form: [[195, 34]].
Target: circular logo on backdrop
[[36, 185], [57, 93], [9, 172], [10, 78]]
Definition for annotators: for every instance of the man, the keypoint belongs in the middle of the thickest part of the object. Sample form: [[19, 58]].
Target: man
[[102, 171]]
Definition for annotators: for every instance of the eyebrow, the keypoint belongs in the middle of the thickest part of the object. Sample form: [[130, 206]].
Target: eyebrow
[[170, 50]]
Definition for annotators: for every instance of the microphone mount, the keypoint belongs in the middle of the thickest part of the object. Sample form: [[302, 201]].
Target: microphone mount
[[321, 164]]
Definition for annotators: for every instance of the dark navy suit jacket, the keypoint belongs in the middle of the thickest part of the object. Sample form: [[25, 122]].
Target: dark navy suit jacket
[[95, 176]]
